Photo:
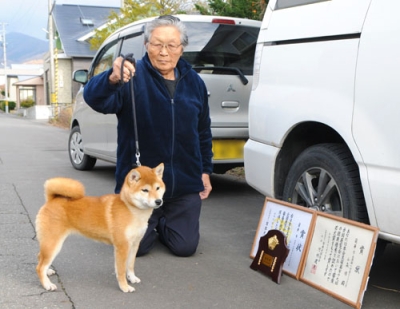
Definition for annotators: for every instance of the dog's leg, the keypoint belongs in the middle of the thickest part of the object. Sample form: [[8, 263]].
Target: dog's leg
[[49, 248], [130, 271], [121, 252]]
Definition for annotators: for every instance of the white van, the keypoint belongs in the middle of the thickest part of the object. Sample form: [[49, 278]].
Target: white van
[[324, 113]]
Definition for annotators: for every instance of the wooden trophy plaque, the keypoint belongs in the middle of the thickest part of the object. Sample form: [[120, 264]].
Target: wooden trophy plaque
[[271, 254]]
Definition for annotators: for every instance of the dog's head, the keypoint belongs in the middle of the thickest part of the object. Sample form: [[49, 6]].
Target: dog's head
[[144, 187]]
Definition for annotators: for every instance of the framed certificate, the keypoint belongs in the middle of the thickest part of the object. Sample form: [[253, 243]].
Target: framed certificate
[[339, 257], [295, 222]]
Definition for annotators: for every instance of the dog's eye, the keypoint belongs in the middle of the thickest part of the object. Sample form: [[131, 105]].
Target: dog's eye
[[158, 188], [145, 190]]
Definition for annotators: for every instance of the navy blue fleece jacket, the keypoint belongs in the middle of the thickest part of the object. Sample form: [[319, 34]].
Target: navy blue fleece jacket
[[174, 131]]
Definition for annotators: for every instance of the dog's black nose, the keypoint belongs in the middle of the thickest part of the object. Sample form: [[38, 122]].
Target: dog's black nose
[[159, 202]]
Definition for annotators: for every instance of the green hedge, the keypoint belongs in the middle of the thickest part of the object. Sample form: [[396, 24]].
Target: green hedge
[[27, 103], [11, 105]]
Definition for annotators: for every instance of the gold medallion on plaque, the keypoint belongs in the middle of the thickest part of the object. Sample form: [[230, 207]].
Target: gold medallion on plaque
[[273, 242]]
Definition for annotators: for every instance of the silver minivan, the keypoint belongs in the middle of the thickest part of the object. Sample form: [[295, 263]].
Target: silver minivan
[[221, 50]]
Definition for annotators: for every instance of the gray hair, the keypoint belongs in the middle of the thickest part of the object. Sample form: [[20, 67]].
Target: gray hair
[[166, 20]]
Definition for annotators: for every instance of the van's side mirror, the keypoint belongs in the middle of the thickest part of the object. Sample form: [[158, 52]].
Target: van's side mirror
[[80, 76]]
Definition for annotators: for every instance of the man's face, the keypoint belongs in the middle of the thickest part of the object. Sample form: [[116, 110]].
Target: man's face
[[164, 49]]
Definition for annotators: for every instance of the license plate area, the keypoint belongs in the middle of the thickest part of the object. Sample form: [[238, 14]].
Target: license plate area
[[226, 149]]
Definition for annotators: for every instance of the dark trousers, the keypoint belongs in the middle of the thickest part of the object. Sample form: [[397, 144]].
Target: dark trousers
[[177, 226]]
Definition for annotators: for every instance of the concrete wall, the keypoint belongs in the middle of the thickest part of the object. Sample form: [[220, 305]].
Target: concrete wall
[[38, 112]]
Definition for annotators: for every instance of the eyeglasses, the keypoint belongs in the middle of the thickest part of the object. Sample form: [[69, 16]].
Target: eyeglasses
[[170, 47]]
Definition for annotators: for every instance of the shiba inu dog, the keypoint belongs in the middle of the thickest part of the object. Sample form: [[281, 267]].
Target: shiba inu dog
[[117, 219]]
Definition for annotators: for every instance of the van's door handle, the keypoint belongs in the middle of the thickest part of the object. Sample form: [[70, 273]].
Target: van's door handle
[[230, 104]]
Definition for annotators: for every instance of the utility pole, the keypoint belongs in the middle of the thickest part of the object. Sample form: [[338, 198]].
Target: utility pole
[[5, 66], [53, 90]]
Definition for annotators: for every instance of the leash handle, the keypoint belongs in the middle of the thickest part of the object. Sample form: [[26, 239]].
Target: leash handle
[[131, 59]]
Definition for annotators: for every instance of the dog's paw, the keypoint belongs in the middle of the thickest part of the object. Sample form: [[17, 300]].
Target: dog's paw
[[49, 286], [50, 272], [132, 278], [127, 289]]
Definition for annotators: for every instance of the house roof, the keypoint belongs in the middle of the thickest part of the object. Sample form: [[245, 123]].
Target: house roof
[[74, 21], [33, 81]]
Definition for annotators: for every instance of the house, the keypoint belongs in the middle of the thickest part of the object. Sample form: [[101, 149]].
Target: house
[[24, 81], [72, 24], [32, 88], [29, 87]]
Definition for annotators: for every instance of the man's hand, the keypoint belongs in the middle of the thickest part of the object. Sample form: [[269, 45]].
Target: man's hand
[[207, 186], [115, 76]]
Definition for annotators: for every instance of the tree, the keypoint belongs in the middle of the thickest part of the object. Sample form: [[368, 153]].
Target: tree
[[134, 10], [252, 9]]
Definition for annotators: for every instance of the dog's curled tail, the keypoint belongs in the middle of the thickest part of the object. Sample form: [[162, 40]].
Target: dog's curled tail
[[63, 187]]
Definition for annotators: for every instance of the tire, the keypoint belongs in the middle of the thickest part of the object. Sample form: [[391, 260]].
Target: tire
[[78, 158], [325, 177]]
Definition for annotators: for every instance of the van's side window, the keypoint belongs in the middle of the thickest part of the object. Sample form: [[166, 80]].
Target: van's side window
[[283, 4], [133, 44], [105, 59]]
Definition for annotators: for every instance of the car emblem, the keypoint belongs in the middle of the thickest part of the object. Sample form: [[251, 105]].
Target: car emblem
[[230, 88]]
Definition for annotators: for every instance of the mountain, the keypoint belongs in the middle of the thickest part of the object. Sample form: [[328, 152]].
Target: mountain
[[22, 48]]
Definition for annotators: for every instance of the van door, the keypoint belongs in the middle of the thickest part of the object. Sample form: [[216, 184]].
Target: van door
[[223, 55], [92, 127], [295, 20], [377, 110], [131, 44]]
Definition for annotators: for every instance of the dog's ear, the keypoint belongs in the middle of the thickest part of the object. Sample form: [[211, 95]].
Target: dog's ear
[[159, 170], [134, 175]]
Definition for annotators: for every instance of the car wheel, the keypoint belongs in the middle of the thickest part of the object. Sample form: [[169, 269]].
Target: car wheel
[[78, 158], [325, 177]]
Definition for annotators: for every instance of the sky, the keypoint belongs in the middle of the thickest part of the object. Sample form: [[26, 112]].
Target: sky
[[30, 17]]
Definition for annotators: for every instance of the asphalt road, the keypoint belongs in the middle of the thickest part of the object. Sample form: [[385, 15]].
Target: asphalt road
[[217, 276]]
